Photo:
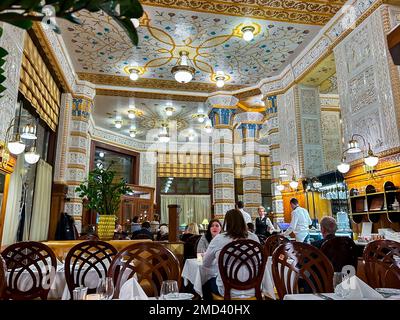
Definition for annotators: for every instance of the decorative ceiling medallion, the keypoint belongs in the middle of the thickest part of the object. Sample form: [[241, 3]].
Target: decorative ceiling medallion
[[140, 70], [314, 12], [253, 27]]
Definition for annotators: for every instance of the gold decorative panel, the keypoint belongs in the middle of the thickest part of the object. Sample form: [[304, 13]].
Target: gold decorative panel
[[184, 165], [265, 164], [38, 86]]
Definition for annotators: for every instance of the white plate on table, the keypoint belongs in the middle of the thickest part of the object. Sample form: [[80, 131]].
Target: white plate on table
[[180, 296]]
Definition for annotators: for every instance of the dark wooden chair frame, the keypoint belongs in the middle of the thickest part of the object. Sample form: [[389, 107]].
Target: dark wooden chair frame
[[341, 251], [3, 278], [90, 237], [23, 257], [236, 255], [273, 242], [85, 257], [150, 261], [303, 261], [380, 265]]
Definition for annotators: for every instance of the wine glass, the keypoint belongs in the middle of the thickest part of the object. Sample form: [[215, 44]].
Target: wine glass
[[105, 289], [169, 289]]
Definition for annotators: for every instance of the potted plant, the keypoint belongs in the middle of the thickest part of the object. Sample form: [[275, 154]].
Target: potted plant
[[104, 197]]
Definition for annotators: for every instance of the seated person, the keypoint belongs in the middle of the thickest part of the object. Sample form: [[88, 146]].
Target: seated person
[[250, 227], [135, 226], [144, 230], [119, 234], [328, 229], [162, 234], [214, 228], [235, 229], [264, 225], [191, 230]]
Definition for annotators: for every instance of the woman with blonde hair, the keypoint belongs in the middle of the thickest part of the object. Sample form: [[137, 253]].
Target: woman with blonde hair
[[192, 229]]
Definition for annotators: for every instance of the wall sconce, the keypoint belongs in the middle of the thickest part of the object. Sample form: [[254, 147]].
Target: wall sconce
[[14, 143], [283, 174], [370, 159]]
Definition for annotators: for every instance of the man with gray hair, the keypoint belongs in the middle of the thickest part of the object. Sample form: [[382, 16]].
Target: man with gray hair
[[328, 229]]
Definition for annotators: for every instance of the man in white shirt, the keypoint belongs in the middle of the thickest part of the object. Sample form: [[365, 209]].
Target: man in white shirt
[[300, 222], [246, 216]]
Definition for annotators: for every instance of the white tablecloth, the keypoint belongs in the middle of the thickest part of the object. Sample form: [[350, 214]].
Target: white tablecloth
[[194, 272], [310, 296]]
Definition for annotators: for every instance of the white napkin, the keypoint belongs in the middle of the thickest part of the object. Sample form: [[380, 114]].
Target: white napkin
[[356, 289], [131, 290]]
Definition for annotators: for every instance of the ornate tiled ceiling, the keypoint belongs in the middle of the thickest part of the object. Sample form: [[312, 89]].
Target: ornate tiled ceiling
[[151, 114], [100, 50], [324, 76]]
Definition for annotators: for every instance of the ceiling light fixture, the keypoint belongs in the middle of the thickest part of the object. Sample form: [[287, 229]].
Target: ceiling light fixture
[[163, 135], [133, 74], [201, 117], [182, 72], [283, 174], [132, 133], [131, 114], [118, 124], [248, 33], [220, 79], [32, 156], [29, 132], [169, 111]]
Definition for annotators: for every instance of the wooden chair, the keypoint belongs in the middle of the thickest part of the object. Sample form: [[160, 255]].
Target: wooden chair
[[3, 278], [297, 263], [274, 242], [235, 256], [382, 264], [142, 236], [33, 261], [190, 246], [341, 251], [150, 261], [87, 258], [90, 237]]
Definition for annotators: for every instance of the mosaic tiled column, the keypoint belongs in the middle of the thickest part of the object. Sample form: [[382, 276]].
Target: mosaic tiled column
[[222, 109], [272, 127], [78, 147], [250, 125]]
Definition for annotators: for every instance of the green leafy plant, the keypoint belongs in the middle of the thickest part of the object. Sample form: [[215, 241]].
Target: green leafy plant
[[22, 13], [103, 195]]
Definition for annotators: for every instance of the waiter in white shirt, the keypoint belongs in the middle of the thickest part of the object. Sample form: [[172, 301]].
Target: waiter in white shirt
[[300, 222], [246, 216]]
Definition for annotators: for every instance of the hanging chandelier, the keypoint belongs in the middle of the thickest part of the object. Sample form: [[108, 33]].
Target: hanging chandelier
[[163, 135], [182, 72]]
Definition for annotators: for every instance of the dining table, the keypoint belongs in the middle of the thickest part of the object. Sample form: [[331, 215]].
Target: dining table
[[197, 274]]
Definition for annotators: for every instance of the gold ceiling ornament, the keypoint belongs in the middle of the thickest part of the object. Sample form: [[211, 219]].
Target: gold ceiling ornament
[[246, 30], [133, 132], [183, 72]]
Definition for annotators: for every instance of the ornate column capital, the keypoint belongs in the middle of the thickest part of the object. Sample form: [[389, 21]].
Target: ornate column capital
[[84, 89], [222, 109], [250, 123]]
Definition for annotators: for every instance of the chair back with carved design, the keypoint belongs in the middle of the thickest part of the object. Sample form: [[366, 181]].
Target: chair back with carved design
[[297, 266], [241, 256], [31, 268], [142, 236], [150, 261], [382, 264], [90, 237], [3, 281], [273, 242], [86, 263], [341, 251], [190, 246]]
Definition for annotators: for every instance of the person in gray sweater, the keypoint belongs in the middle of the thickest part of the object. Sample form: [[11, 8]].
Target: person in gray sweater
[[214, 228]]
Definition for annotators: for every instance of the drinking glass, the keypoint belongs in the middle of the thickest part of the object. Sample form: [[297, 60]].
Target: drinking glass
[[79, 293], [337, 279], [105, 288], [169, 290]]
